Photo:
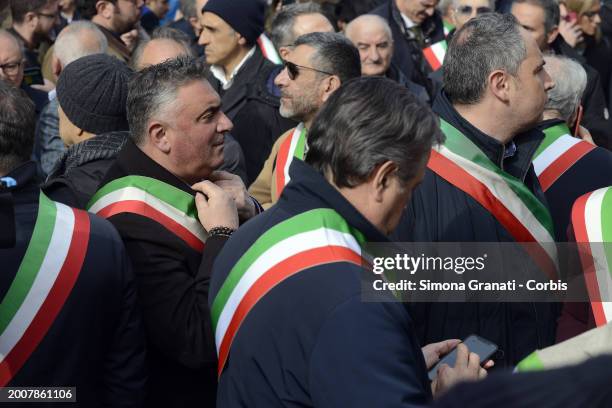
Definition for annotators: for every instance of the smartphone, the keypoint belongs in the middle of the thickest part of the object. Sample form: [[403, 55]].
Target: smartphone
[[475, 344], [33, 76]]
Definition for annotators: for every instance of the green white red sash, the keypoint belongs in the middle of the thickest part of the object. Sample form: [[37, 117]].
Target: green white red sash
[[293, 146], [44, 280], [313, 238], [448, 27], [167, 205], [434, 54], [558, 152], [268, 50], [460, 162], [592, 221]]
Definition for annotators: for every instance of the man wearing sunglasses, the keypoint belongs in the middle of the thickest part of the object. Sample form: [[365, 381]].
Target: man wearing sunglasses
[[465, 10], [541, 20], [33, 20], [314, 68]]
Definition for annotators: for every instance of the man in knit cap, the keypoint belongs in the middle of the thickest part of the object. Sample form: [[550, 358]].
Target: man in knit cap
[[243, 77], [92, 94]]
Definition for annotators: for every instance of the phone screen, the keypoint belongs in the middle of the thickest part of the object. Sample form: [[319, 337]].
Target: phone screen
[[475, 344], [33, 76]]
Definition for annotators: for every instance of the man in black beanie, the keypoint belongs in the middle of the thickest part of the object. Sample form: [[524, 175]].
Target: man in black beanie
[[243, 77], [92, 95]]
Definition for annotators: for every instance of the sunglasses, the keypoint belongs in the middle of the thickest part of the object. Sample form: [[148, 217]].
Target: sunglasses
[[591, 14], [467, 10], [293, 70]]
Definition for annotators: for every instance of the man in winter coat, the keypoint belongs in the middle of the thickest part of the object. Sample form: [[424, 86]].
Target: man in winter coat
[[68, 314], [290, 324], [482, 110], [172, 236]]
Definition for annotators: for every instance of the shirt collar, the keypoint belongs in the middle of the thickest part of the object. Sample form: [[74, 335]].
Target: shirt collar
[[219, 72], [407, 21]]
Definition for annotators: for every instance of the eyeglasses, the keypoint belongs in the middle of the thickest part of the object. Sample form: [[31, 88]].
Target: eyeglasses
[[10, 68], [467, 10], [294, 69]]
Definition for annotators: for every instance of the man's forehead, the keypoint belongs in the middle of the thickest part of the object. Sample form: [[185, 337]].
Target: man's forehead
[[9, 48], [474, 3], [300, 54]]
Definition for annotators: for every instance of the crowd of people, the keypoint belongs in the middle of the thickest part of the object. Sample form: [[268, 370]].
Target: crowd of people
[[187, 188]]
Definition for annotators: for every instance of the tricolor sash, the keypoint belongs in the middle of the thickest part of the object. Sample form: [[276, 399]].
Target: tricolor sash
[[592, 221], [460, 162], [316, 237], [434, 54], [45, 278], [268, 50], [293, 146], [557, 153], [165, 204], [447, 27]]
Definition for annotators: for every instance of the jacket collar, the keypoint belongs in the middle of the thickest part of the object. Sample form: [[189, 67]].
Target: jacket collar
[[309, 189], [132, 161], [514, 157]]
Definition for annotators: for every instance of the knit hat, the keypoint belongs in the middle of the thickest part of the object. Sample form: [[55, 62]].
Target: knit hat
[[92, 92], [244, 16]]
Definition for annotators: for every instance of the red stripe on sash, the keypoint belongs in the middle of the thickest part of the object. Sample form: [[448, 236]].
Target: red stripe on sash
[[431, 59], [281, 162], [460, 178], [54, 302], [274, 276], [262, 47], [563, 163], [586, 258], [144, 209]]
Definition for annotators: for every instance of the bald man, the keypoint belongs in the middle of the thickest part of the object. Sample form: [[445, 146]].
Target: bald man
[[372, 36], [12, 63]]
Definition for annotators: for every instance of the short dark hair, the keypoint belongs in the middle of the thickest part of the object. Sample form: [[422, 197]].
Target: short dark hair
[[366, 122], [87, 8], [552, 15], [281, 32], [154, 89], [348, 10], [19, 8], [17, 124], [486, 43], [334, 53]]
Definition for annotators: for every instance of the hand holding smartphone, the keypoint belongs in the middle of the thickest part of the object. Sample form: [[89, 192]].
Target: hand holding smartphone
[[475, 344]]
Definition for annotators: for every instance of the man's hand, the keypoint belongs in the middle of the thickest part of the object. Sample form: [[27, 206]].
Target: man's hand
[[130, 39], [234, 186], [435, 351], [467, 368], [216, 208]]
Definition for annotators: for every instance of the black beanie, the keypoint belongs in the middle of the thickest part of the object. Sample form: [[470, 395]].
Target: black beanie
[[92, 92], [244, 16]]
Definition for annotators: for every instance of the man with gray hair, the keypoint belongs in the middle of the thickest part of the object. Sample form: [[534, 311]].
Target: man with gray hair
[[75, 41], [566, 166], [315, 67], [372, 36], [174, 213], [295, 20], [189, 23], [495, 89]]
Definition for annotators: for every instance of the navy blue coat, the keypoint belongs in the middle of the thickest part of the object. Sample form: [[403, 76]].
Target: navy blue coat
[[440, 212], [311, 340], [96, 342]]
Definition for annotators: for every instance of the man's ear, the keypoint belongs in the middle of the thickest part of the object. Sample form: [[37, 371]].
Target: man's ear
[[158, 137], [104, 8], [30, 19], [381, 179], [283, 52], [241, 40], [56, 67], [499, 85], [552, 36], [330, 85]]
